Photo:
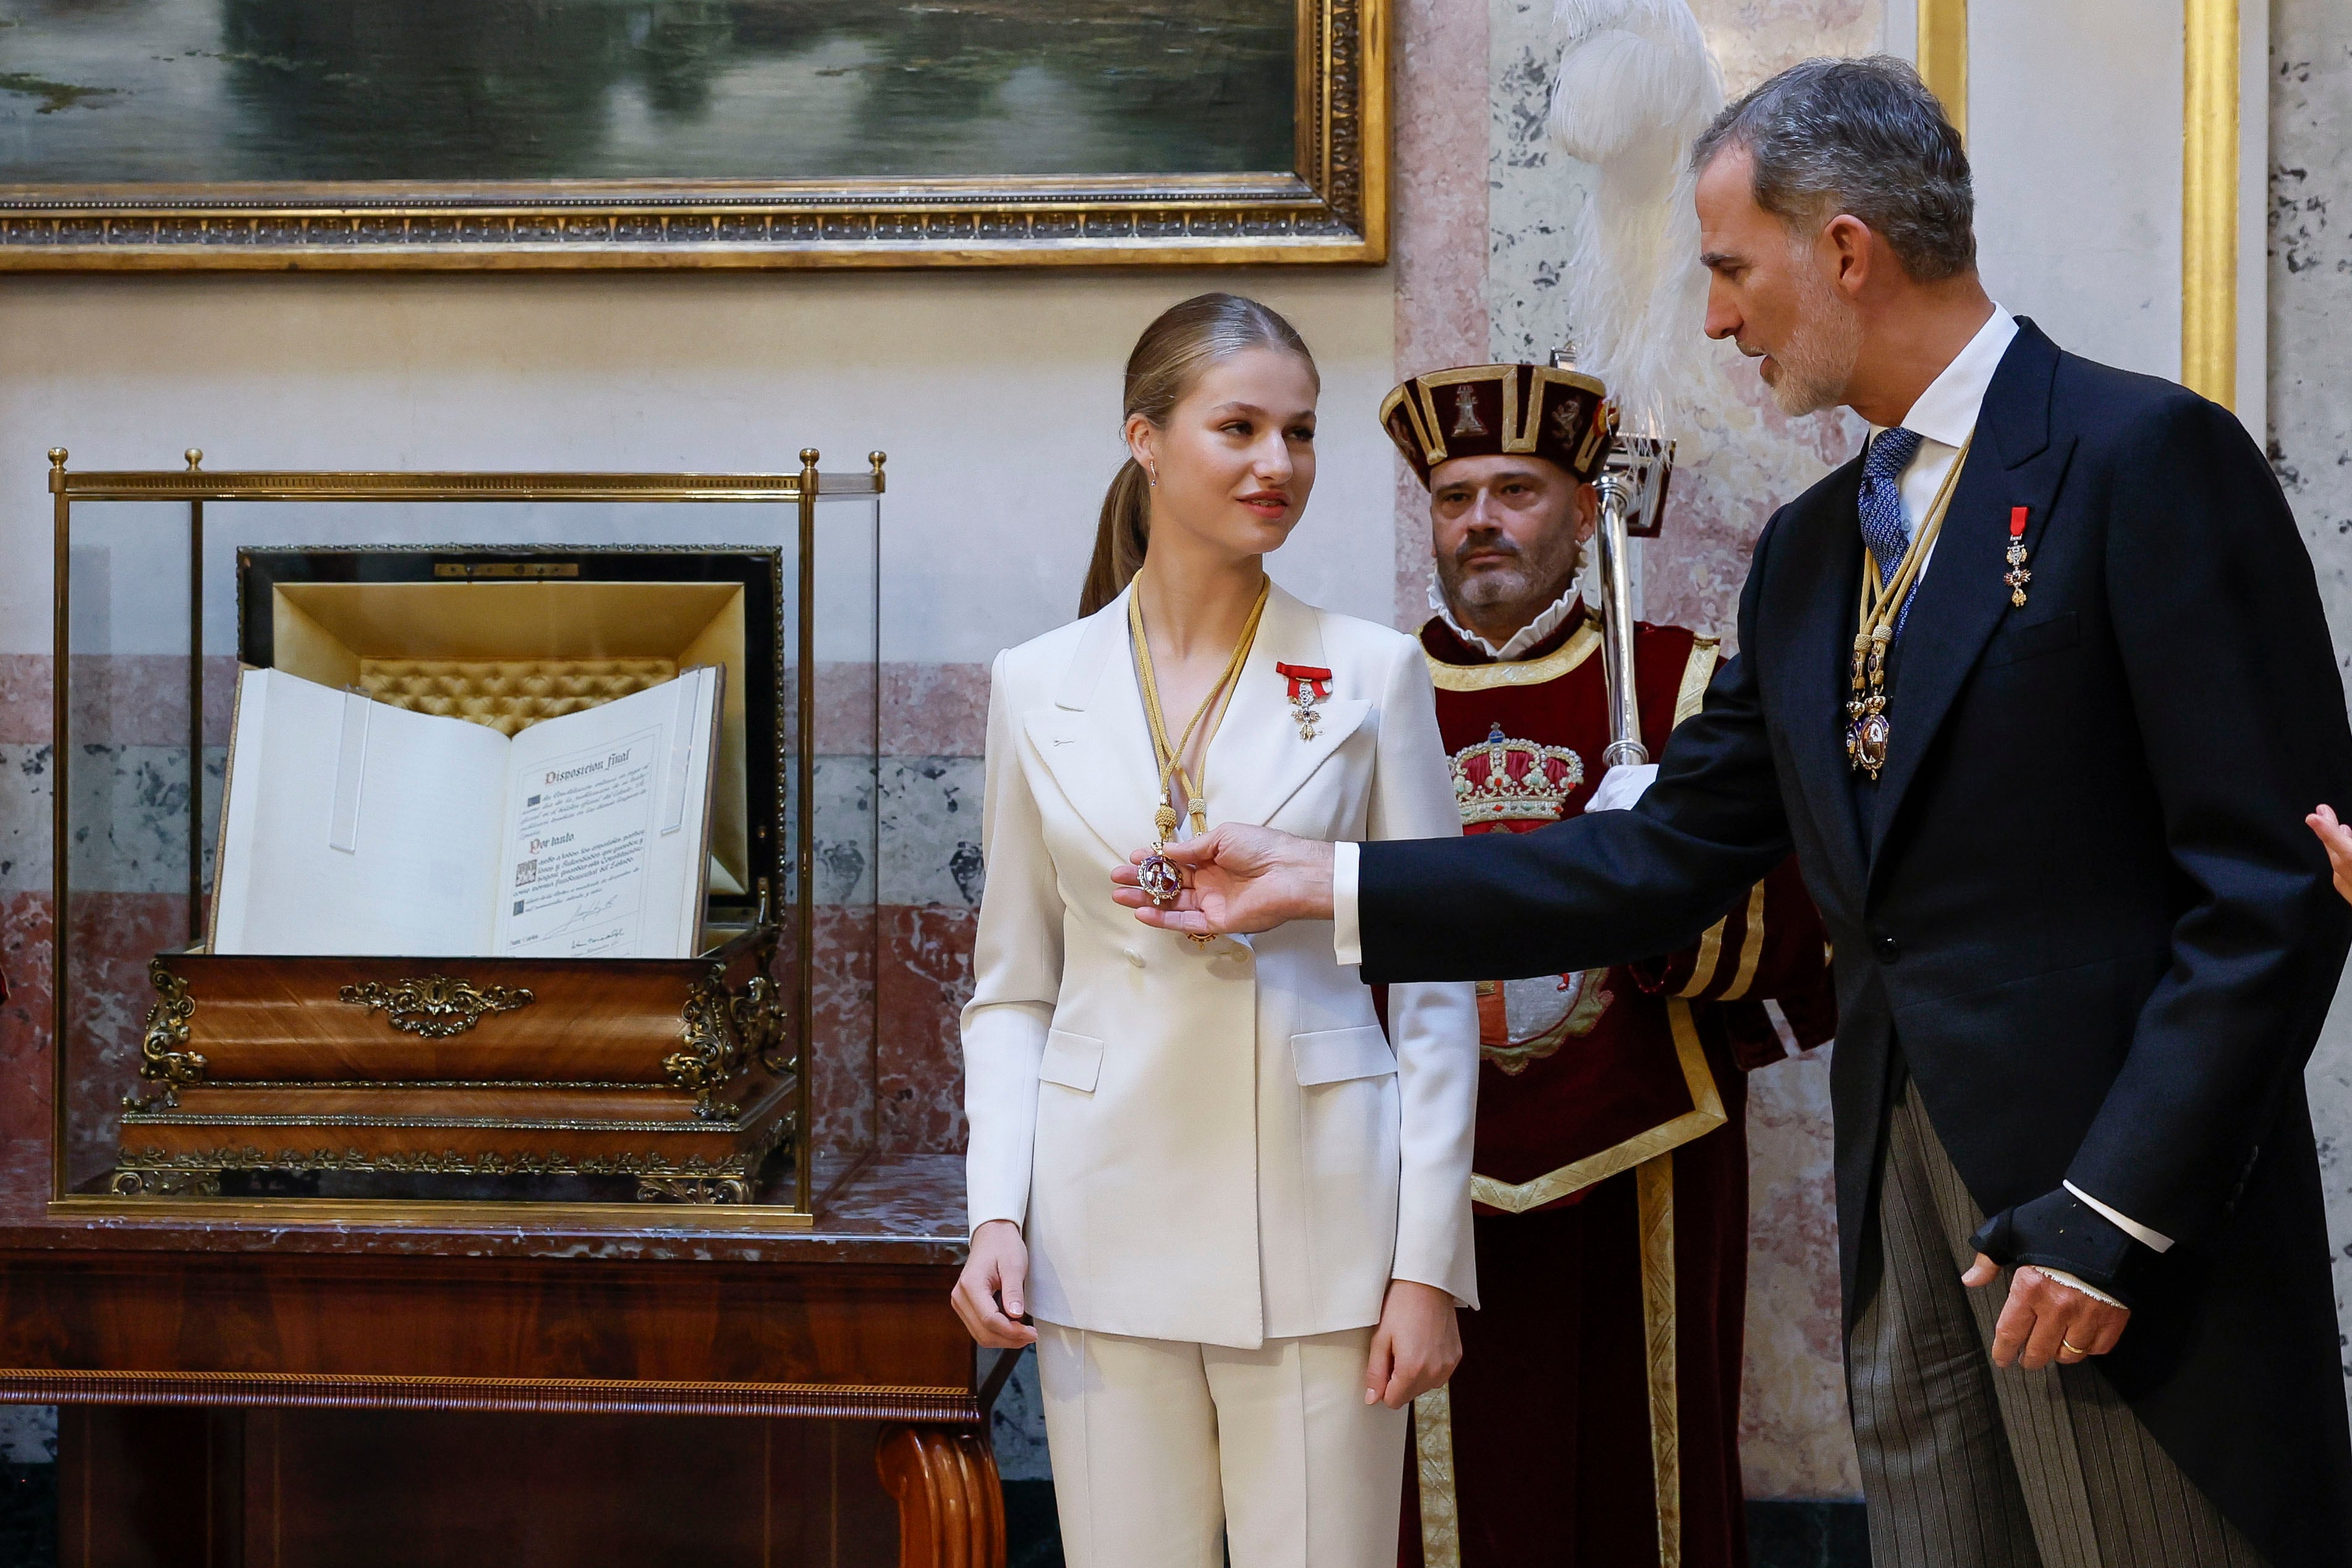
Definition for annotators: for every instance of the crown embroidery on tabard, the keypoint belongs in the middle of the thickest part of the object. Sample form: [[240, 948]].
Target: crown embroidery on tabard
[[1500, 780]]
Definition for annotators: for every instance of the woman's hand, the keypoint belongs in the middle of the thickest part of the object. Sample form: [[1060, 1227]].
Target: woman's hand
[[2337, 839], [998, 1270], [1416, 1347]]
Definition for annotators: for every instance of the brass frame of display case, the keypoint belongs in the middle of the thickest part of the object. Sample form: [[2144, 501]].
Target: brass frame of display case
[[194, 487]]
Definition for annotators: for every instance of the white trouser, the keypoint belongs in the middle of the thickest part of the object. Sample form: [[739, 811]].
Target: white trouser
[[1162, 1447]]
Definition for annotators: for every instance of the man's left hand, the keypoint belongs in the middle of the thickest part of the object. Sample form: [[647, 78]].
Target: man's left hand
[[2044, 1321]]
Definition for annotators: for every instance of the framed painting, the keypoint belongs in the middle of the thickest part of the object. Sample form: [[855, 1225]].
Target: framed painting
[[660, 133]]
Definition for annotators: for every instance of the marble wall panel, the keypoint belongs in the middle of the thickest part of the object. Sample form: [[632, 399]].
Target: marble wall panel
[[934, 709], [130, 816], [931, 831], [112, 936], [26, 711], [924, 980], [2310, 280], [841, 1079], [25, 1074], [1736, 459], [1792, 1431], [1438, 214]]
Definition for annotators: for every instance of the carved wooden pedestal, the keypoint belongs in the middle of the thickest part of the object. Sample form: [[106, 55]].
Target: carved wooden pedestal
[[246, 1397], [950, 1503]]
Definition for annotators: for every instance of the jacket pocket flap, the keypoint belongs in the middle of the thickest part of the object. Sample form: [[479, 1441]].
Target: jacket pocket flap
[[2035, 637], [1072, 1060], [1336, 1055]]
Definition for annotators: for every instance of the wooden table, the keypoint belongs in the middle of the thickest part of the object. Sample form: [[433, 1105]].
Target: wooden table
[[243, 1397]]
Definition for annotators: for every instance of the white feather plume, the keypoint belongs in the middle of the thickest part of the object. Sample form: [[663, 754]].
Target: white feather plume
[[1636, 85]]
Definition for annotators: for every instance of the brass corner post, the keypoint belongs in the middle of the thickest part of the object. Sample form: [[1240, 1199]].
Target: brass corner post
[[1943, 57], [196, 458], [2209, 200], [804, 839], [60, 926]]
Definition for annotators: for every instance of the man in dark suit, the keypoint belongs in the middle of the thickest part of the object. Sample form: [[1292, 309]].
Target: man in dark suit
[[2039, 689]]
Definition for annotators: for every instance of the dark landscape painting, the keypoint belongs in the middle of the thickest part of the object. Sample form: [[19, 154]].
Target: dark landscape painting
[[214, 91]]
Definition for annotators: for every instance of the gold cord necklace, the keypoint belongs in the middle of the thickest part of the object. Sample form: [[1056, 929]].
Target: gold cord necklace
[[1158, 876], [1867, 727]]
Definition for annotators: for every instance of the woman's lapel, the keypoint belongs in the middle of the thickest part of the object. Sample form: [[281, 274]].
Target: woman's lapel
[[1094, 741], [1262, 754]]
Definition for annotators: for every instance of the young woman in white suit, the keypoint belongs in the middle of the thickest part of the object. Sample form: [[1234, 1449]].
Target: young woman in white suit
[[1236, 1209]]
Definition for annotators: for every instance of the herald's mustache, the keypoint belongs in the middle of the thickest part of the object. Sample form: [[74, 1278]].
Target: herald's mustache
[[1469, 547]]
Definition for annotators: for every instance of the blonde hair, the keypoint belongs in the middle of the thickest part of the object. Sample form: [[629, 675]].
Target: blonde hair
[[1185, 340]]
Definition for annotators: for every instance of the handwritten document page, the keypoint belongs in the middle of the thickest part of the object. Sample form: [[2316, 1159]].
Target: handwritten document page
[[354, 827]]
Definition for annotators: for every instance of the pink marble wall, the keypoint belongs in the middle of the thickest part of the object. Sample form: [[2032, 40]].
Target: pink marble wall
[[1438, 229], [25, 1095], [925, 980]]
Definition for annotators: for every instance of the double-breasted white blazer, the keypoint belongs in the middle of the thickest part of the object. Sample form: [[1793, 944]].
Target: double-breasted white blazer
[[1216, 1145]]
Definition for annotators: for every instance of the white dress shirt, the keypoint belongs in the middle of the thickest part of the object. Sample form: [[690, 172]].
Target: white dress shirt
[[1943, 418]]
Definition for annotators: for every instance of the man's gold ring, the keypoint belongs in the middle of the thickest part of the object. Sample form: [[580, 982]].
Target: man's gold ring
[[2065, 1343]]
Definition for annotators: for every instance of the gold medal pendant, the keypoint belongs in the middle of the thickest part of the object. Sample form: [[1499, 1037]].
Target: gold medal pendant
[[1158, 876], [1867, 729]]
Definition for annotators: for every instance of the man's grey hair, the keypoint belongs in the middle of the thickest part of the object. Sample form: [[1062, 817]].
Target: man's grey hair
[[1858, 136]]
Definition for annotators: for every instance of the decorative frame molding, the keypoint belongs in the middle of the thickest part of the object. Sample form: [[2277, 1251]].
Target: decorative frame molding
[[2210, 158], [1331, 208], [1943, 57]]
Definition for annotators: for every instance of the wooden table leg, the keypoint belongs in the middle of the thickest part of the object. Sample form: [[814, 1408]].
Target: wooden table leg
[[950, 1504]]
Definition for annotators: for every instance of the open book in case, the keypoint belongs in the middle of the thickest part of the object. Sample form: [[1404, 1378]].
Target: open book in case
[[545, 870]]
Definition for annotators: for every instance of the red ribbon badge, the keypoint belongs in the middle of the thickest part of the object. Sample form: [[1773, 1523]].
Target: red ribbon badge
[[1305, 675], [2017, 522]]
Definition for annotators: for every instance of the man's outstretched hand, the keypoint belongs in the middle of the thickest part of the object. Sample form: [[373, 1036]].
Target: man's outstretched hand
[[1236, 878]]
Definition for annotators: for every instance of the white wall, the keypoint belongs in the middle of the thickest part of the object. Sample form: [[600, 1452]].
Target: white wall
[[2075, 121], [996, 395]]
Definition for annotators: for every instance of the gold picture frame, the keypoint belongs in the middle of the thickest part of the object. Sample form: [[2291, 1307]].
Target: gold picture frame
[[1331, 208]]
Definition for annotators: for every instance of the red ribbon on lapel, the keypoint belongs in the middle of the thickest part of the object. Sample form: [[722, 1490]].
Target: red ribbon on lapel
[[1306, 676]]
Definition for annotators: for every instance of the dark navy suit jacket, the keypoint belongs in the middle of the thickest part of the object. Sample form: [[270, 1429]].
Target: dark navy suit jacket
[[2081, 908]]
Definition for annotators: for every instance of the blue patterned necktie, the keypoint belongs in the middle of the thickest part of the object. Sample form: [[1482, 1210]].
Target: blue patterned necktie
[[1884, 528]]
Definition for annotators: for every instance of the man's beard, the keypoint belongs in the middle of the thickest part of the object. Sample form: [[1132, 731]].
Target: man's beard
[[1817, 362], [1521, 591]]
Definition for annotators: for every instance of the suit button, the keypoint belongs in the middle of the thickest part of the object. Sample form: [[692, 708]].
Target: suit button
[[1133, 957], [1889, 950]]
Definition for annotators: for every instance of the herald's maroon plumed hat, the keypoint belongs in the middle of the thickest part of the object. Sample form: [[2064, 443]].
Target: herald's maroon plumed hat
[[1481, 411]]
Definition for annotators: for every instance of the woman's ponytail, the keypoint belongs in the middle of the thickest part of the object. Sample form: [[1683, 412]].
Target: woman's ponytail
[[1121, 539], [1168, 359]]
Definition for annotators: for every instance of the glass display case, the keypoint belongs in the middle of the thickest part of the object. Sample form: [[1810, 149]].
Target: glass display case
[[448, 1087]]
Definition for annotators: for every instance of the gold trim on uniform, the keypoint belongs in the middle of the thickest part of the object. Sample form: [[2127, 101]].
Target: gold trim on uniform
[[1711, 954], [1655, 1200], [1697, 671], [1433, 1442], [1705, 1116], [1578, 647], [1751, 946]]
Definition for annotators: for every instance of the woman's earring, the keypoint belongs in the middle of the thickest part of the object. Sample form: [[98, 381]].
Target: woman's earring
[[1153, 476]]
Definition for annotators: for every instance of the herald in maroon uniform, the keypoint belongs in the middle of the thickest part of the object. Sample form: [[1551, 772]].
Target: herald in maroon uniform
[[1583, 1078], [1611, 1104]]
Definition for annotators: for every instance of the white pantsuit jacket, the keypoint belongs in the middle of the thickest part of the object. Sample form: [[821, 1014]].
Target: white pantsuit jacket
[[1216, 1145]]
